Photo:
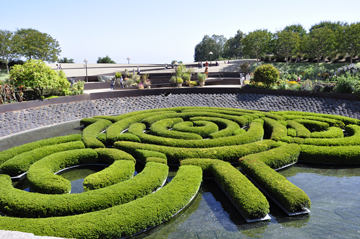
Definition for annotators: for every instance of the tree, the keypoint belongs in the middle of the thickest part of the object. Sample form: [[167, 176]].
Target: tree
[[320, 43], [287, 43], [348, 40], [105, 59], [37, 75], [233, 46], [334, 26], [8, 47], [66, 60], [37, 45], [215, 44], [257, 43], [296, 28]]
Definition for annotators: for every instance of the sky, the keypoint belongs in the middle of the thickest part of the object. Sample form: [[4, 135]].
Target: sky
[[160, 31]]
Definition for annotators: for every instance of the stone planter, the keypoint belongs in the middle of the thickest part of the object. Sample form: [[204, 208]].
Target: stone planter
[[179, 85], [202, 83]]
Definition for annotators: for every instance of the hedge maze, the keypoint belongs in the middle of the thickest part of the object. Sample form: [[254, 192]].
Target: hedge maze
[[202, 141]]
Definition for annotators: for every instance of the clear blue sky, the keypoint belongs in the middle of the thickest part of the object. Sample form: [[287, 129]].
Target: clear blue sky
[[160, 31]]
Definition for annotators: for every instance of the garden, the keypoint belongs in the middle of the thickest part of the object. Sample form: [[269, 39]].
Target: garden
[[242, 150], [336, 78]]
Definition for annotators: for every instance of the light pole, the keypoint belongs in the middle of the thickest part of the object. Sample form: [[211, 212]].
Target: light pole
[[128, 60], [86, 61], [210, 53]]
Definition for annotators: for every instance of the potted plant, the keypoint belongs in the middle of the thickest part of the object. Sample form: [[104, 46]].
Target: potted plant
[[140, 86], [179, 81], [173, 80], [187, 78], [201, 78], [118, 75]]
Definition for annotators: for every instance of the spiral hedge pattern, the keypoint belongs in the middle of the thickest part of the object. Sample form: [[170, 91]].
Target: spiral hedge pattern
[[203, 141]]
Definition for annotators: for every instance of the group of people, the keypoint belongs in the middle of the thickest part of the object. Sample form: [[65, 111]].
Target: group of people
[[58, 66], [113, 82]]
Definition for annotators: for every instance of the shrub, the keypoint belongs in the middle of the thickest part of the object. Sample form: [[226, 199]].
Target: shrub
[[89, 134], [332, 132], [175, 155], [289, 196], [118, 221], [277, 129], [248, 199], [161, 128], [313, 125], [122, 167], [143, 155], [202, 128], [19, 203], [266, 74], [41, 173], [10, 153], [22, 162], [333, 154], [301, 130]]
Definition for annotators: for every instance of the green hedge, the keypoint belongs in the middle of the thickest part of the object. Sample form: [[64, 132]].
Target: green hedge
[[41, 174], [88, 121], [331, 122], [291, 132], [330, 154], [156, 160], [113, 133], [278, 157], [346, 120], [89, 134], [202, 128], [250, 201], [22, 162], [287, 194], [19, 203], [175, 155], [161, 128], [142, 155], [254, 133], [12, 152], [301, 130], [353, 130], [122, 167], [332, 132], [118, 221], [292, 140], [227, 127], [277, 129], [313, 124]]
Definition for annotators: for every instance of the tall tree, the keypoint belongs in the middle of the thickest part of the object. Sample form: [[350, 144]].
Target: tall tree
[[38, 45], [66, 60], [214, 44], [257, 43], [233, 46], [8, 47], [105, 59], [348, 40], [287, 43], [320, 43], [296, 28], [334, 26]]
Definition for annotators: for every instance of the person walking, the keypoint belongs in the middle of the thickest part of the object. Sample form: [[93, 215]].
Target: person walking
[[121, 82], [112, 84]]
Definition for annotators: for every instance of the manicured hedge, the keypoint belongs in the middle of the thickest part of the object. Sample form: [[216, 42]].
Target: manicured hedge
[[331, 122], [41, 174], [332, 132], [161, 128], [250, 201], [254, 133], [142, 155], [330, 154], [114, 131], [88, 121], [277, 129], [118, 221], [12, 152], [89, 134], [277, 157], [287, 194], [22, 162], [202, 128], [313, 124], [156, 160], [175, 155], [292, 140], [19, 203], [346, 120], [291, 132], [227, 127], [122, 167], [301, 130], [353, 130]]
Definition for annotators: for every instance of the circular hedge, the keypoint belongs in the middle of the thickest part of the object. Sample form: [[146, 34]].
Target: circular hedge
[[205, 141]]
